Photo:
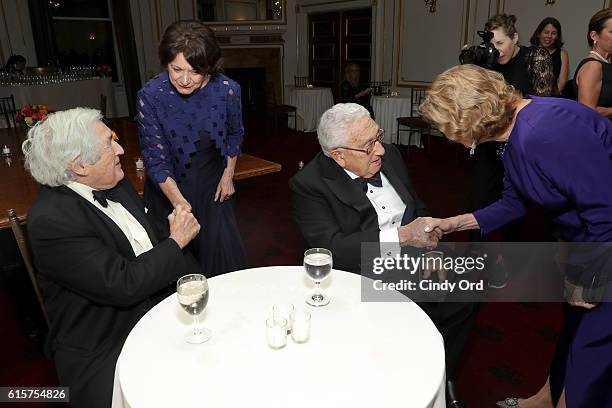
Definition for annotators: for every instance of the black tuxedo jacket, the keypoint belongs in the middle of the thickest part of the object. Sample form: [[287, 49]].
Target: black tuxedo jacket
[[95, 288], [333, 212]]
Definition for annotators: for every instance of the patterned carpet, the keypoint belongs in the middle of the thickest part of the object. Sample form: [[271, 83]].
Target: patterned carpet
[[510, 347]]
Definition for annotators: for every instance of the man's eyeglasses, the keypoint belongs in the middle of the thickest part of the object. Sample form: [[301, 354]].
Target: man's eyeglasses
[[369, 148]]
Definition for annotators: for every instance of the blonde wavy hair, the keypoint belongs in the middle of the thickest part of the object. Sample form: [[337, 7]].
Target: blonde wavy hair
[[470, 104]]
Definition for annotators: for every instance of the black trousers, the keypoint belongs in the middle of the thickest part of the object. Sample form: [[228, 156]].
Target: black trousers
[[454, 320]]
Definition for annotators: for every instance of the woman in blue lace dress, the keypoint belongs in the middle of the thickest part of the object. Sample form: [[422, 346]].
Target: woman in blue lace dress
[[190, 126]]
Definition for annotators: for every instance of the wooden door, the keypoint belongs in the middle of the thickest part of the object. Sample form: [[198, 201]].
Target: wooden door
[[325, 50], [357, 41], [335, 39]]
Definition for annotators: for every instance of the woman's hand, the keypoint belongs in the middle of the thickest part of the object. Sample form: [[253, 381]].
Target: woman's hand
[[449, 225], [573, 295], [174, 195], [182, 204], [363, 93], [442, 226], [225, 189]]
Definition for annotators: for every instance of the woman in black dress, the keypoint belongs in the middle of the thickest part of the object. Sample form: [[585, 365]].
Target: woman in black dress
[[548, 36], [593, 78], [190, 125]]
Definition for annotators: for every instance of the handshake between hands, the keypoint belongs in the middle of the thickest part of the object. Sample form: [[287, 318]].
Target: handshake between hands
[[425, 232]]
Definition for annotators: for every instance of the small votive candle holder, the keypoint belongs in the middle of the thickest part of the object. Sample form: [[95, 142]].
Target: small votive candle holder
[[300, 326], [284, 310], [6, 151], [276, 332], [139, 164]]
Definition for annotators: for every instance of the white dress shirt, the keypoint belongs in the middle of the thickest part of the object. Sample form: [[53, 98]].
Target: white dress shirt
[[133, 230], [390, 209]]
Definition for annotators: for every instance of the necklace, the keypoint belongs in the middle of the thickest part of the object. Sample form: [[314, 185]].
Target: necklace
[[600, 57]]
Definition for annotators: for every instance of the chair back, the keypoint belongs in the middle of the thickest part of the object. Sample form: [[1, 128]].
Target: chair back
[[8, 110], [300, 81], [417, 95], [24, 249], [380, 88]]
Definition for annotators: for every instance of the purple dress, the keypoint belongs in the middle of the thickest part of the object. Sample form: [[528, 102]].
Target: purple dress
[[187, 138], [559, 155]]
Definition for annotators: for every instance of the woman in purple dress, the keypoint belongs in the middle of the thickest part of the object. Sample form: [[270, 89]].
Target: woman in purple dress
[[558, 155], [190, 126]]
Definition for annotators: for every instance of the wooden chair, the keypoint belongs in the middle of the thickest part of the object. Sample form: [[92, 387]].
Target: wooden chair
[[24, 249], [8, 110], [414, 122], [300, 81], [380, 88], [275, 109]]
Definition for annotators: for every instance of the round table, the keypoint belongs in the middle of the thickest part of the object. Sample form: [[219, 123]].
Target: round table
[[359, 354], [387, 110], [310, 104]]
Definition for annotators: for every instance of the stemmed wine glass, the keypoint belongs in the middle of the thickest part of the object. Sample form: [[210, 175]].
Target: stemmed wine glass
[[192, 292], [318, 264]]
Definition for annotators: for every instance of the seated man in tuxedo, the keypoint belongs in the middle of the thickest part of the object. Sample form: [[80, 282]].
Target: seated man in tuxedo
[[357, 190], [100, 263]]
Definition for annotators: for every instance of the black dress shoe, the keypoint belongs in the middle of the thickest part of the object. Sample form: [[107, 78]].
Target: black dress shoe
[[451, 397]]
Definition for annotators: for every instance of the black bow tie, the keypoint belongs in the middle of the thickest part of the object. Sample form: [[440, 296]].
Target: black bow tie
[[102, 195], [375, 180]]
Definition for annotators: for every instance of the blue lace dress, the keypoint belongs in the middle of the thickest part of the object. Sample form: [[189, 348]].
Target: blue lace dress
[[187, 138]]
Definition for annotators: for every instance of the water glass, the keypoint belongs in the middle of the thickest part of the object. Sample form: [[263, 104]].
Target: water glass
[[192, 294], [284, 310], [300, 326], [318, 264], [276, 332]]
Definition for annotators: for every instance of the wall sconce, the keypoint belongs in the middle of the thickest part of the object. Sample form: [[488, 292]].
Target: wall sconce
[[549, 2], [431, 4]]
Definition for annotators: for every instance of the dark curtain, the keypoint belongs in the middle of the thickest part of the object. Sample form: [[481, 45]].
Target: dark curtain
[[122, 17], [42, 31]]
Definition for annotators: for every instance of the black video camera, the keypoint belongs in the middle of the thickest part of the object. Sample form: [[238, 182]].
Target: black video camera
[[484, 55]]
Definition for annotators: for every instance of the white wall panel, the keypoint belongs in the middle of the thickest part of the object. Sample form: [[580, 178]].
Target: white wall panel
[[429, 43]]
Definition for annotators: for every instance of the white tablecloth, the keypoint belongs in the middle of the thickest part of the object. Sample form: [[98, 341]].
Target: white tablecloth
[[387, 110], [310, 104], [359, 354], [65, 95]]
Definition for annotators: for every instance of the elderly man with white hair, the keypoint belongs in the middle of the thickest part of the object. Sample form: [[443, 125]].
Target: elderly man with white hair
[[100, 262], [357, 190]]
